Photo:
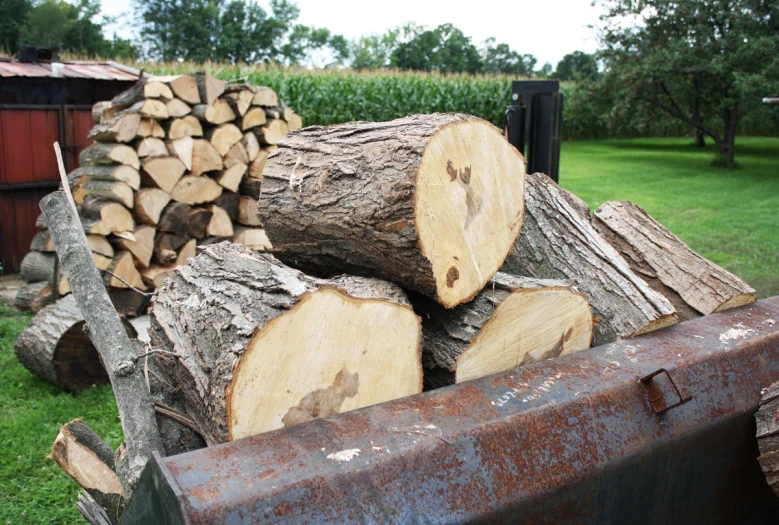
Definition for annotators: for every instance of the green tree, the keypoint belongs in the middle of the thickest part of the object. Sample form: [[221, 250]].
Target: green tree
[[577, 66], [373, 51], [13, 16], [544, 71], [704, 63], [501, 58], [445, 49]]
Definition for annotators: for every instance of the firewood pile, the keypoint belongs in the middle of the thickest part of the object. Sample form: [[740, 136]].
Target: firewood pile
[[402, 256]]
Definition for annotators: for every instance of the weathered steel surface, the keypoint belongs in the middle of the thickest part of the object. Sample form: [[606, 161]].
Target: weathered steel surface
[[72, 69], [574, 440]]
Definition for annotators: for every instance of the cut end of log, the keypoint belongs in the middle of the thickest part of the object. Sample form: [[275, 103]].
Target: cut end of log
[[469, 206], [366, 352]]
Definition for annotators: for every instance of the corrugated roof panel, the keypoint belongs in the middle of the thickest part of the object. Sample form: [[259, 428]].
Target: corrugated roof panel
[[73, 69]]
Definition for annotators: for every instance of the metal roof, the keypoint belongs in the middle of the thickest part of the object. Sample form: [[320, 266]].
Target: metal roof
[[72, 69]]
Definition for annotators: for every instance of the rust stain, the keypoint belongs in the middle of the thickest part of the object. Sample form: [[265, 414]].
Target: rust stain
[[324, 402], [451, 276]]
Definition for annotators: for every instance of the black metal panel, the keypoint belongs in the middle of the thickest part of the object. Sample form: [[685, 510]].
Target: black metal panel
[[48, 90], [546, 115]]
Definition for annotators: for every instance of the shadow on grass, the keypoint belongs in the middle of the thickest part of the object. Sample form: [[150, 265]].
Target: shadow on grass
[[754, 148]]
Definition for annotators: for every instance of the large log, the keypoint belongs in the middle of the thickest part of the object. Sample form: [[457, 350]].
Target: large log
[[558, 243], [431, 202], [694, 285], [512, 322], [283, 348]]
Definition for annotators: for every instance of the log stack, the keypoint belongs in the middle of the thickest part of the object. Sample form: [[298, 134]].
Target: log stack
[[176, 163]]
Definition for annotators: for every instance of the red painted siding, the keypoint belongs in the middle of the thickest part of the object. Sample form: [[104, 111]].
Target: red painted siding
[[26, 136], [18, 212]]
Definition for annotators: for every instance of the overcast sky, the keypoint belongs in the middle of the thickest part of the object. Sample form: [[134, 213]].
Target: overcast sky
[[548, 29]]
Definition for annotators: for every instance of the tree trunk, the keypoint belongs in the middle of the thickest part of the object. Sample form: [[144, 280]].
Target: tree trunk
[[558, 243], [694, 285], [727, 145], [767, 418], [261, 346], [512, 322], [410, 201]]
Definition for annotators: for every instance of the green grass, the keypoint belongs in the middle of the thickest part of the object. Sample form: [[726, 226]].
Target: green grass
[[33, 489], [728, 216]]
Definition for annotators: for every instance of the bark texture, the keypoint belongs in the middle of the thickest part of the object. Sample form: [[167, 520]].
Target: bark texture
[[556, 242], [694, 285], [34, 296], [767, 418]]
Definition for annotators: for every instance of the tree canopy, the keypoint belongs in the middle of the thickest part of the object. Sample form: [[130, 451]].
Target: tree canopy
[[577, 66]]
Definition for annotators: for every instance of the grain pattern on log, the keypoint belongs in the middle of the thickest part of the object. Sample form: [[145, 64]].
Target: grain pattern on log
[[103, 217], [183, 86], [557, 243], [162, 172], [111, 190], [151, 147], [149, 203], [209, 87], [122, 128], [241, 302], [431, 202], [512, 322], [205, 158], [195, 190], [694, 285], [265, 97], [177, 108], [141, 248]]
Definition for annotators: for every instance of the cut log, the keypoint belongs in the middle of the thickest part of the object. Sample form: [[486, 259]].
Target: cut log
[[265, 97], [188, 126], [118, 173], [512, 322], [224, 137], [113, 191], [229, 201], [109, 154], [154, 275], [557, 243], [177, 108], [231, 178], [34, 296], [250, 187], [251, 145], [197, 222], [209, 87], [439, 218], [162, 172], [254, 238], [99, 244], [149, 203], [205, 158], [38, 266], [254, 117], [103, 217], [204, 113], [155, 89], [294, 122], [173, 219], [240, 101], [130, 96], [56, 348], [150, 128], [142, 247], [122, 266], [258, 165], [122, 128], [248, 214], [272, 363], [222, 113], [166, 248], [195, 190], [694, 285], [98, 110], [182, 149], [183, 86], [63, 286], [146, 108], [271, 133], [237, 154], [151, 147], [186, 252], [767, 420], [220, 224], [42, 242]]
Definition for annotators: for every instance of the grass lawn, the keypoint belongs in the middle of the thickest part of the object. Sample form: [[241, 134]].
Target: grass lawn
[[727, 216]]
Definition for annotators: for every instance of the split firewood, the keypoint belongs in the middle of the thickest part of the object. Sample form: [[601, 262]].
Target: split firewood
[[141, 248], [209, 87], [195, 190], [38, 266], [512, 322], [248, 214], [258, 165], [250, 187], [150, 128], [182, 149], [205, 113], [130, 97], [34, 296], [177, 108], [109, 154], [231, 178], [224, 137], [557, 243], [229, 201], [186, 252], [98, 110], [205, 158], [419, 221], [162, 172], [237, 154], [42, 242], [294, 122], [220, 224], [102, 262], [248, 381], [240, 101], [188, 126], [223, 113], [154, 275], [271, 133], [166, 248], [103, 217], [182, 86], [117, 173], [146, 108], [254, 117], [173, 219], [124, 271], [265, 97], [155, 89], [121, 128], [151, 147], [694, 285], [112, 190], [149, 203], [253, 238], [251, 145], [197, 222], [99, 244]]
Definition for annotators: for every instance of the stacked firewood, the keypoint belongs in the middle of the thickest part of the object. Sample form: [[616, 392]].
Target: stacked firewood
[[176, 163]]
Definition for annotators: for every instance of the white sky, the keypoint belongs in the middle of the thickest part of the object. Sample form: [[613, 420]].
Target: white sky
[[548, 29]]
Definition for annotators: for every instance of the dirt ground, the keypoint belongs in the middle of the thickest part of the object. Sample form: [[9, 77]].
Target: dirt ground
[[9, 285]]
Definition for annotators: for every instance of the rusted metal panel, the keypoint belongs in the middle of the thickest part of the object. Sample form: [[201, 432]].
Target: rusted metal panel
[[73, 69], [25, 138], [18, 212], [78, 122], [572, 440]]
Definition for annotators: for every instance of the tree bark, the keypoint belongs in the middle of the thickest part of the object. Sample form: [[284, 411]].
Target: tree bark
[[558, 243], [408, 201], [34, 296], [767, 419], [109, 154], [38, 266], [221, 313], [692, 284]]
